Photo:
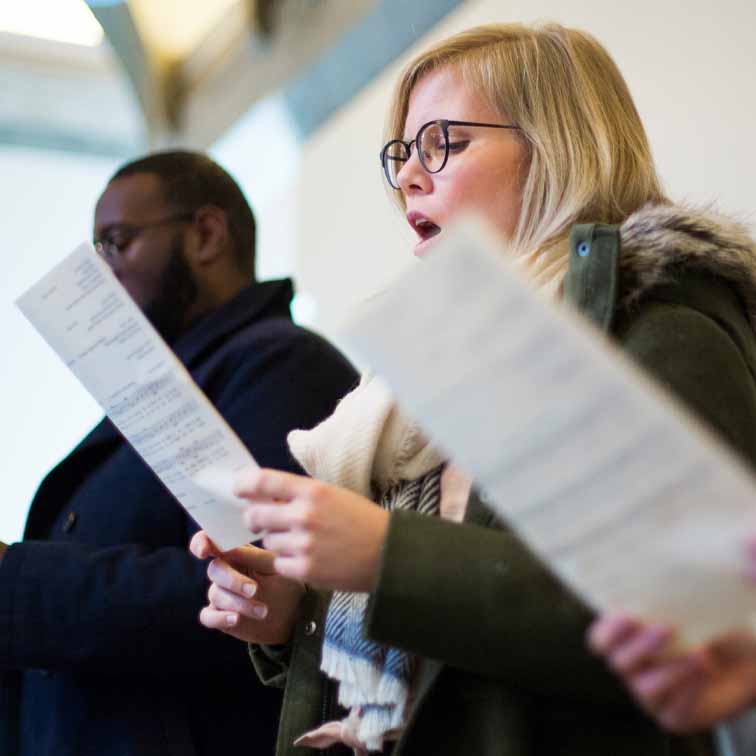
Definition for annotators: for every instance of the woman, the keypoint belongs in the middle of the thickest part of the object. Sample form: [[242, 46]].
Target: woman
[[447, 636]]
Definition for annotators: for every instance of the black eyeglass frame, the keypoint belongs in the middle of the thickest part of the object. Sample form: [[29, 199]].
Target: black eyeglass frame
[[109, 249], [444, 123]]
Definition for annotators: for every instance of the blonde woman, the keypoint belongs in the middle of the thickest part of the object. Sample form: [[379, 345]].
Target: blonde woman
[[443, 634]]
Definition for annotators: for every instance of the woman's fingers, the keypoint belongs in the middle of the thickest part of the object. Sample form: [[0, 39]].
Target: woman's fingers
[[277, 517], [640, 649], [249, 559], [665, 681], [627, 644], [202, 547], [224, 575], [296, 568], [296, 543], [242, 628], [215, 619], [267, 484], [226, 601], [610, 631], [234, 571]]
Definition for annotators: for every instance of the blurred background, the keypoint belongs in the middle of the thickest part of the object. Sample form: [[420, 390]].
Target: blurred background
[[291, 97]]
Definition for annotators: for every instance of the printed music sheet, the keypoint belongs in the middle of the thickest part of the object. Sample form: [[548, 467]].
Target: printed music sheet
[[629, 499], [94, 326]]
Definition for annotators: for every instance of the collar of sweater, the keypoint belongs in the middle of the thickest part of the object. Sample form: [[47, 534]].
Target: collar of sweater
[[366, 445]]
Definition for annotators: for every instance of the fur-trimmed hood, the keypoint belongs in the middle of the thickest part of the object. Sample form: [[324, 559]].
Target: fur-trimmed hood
[[660, 241]]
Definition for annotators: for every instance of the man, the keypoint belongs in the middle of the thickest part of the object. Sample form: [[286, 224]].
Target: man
[[101, 652]]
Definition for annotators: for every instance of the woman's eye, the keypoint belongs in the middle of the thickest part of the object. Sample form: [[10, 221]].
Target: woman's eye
[[458, 146]]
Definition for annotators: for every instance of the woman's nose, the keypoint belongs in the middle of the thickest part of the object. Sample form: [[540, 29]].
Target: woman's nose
[[413, 178]]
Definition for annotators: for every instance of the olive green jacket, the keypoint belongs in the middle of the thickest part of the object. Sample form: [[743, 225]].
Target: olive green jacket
[[505, 669]]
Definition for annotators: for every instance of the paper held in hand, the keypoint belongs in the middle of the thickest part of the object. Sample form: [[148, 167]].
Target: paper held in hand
[[94, 326], [628, 499]]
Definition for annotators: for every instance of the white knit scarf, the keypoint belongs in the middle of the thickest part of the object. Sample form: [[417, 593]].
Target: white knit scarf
[[371, 448], [368, 446]]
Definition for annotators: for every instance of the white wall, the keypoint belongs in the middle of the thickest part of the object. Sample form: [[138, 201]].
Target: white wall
[[263, 153], [47, 199], [690, 66]]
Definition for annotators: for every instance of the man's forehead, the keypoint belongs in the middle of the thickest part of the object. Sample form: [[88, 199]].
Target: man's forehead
[[129, 199]]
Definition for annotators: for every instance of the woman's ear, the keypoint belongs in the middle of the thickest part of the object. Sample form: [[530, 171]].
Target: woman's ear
[[213, 235]]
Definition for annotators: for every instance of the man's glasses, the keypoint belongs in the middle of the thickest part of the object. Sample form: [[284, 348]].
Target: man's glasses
[[433, 147], [119, 236]]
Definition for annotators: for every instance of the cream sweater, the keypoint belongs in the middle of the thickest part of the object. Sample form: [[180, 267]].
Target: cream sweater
[[367, 444]]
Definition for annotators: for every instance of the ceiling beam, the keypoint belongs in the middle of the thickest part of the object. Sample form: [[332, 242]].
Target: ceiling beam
[[319, 53], [151, 78], [360, 55], [225, 76]]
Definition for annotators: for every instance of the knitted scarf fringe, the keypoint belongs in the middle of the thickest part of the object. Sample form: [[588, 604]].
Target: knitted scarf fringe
[[374, 679]]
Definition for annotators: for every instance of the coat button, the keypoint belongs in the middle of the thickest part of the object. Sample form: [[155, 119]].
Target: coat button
[[70, 522], [310, 627]]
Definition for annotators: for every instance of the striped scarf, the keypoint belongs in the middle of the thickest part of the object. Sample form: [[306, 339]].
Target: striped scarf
[[374, 680]]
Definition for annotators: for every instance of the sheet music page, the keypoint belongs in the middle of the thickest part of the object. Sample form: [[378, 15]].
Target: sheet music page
[[607, 479], [94, 326]]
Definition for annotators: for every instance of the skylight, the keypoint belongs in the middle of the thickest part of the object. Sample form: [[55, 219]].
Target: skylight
[[68, 21]]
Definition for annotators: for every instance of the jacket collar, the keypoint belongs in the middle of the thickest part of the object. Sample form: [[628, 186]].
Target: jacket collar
[[613, 268], [269, 299]]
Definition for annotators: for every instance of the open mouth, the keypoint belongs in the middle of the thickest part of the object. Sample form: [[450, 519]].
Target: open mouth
[[424, 227]]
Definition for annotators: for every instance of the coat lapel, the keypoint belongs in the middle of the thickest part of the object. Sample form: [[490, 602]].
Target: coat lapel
[[268, 298]]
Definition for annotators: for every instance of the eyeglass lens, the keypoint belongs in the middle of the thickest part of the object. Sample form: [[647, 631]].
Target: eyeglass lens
[[432, 144]]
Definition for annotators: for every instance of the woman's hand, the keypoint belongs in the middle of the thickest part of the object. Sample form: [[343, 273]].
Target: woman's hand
[[247, 598], [323, 535], [685, 691]]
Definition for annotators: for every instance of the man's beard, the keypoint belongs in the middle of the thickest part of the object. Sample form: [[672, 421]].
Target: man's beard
[[177, 292]]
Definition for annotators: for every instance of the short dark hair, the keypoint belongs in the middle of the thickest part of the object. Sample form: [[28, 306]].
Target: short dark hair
[[190, 180]]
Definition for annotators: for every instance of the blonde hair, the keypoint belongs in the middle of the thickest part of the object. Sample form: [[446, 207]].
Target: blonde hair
[[588, 154]]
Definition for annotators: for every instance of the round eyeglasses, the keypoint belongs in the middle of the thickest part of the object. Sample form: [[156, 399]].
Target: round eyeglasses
[[432, 142]]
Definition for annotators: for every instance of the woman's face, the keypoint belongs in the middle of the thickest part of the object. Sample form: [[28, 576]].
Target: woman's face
[[485, 171]]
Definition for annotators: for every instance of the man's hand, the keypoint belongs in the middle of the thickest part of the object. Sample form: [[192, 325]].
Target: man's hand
[[247, 598]]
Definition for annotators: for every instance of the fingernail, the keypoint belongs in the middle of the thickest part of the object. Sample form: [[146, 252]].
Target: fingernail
[[231, 619], [260, 611], [250, 589]]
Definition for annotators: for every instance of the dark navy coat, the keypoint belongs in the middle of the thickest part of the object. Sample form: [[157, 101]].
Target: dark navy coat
[[101, 651]]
